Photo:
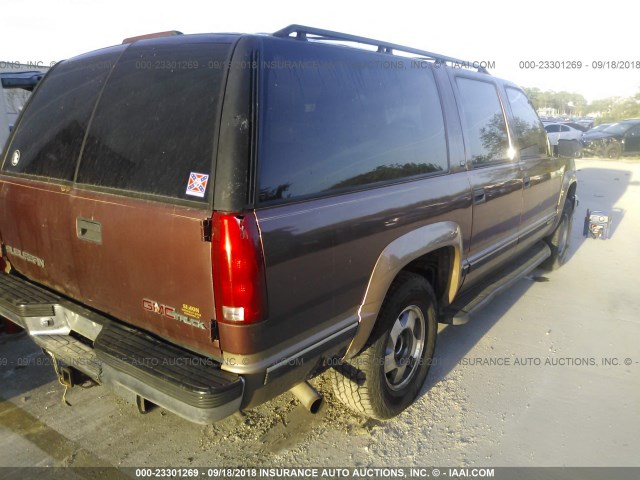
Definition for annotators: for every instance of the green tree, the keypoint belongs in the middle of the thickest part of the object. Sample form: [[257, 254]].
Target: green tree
[[616, 108], [571, 103]]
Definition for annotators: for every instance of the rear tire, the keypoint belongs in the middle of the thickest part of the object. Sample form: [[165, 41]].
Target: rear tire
[[388, 374], [560, 240]]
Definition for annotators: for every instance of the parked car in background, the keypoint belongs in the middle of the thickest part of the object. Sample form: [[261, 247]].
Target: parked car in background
[[576, 126], [599, 128], [621, 138], [585, 123], [205, 239], [561, 131]]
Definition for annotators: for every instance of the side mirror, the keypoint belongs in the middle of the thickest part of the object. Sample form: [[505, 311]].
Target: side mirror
[[567, 149]]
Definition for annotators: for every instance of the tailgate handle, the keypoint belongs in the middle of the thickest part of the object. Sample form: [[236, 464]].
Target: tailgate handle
[[89, 230]]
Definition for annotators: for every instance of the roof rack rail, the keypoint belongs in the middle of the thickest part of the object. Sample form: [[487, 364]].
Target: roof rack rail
[[302, 32]]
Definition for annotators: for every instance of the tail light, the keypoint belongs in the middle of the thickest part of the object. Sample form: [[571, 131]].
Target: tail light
[[239, 282]]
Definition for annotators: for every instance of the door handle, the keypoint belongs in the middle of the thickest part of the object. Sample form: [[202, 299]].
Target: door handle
[[89, 230], [527, 181], [479, 196]]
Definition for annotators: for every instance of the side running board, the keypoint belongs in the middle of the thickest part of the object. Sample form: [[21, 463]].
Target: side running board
[[459, 312]]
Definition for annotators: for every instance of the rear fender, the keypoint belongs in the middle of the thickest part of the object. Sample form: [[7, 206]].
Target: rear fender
[[397, 255], [568, 180]]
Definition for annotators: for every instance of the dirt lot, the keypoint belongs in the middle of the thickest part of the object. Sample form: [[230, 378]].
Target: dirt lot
[[547, 375]]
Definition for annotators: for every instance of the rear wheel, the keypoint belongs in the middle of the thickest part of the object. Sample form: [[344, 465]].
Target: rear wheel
[[387, 376], [559, 240]]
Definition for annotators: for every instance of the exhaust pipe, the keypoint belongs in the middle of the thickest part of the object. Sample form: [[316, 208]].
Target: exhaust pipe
[[308, 396]]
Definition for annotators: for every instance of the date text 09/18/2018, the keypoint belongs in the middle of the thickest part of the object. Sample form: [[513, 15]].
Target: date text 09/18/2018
[[579, 65]]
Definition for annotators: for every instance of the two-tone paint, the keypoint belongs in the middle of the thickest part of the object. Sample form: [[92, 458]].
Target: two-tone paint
[[329, 260]]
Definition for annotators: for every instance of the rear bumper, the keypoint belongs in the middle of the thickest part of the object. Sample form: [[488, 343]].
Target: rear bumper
[[128, 360]]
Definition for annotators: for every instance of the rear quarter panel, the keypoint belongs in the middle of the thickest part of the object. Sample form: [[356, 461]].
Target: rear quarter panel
[[320, 255]]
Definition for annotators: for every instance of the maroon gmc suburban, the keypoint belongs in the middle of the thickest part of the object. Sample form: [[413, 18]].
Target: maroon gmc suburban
[[204, 222]]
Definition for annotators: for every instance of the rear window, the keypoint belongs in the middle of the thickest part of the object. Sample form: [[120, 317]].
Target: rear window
[[49, 137], [154, 128], [335, 119]]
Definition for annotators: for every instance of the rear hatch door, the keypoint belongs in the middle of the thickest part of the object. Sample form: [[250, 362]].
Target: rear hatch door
[[133, 219], [39, 166]]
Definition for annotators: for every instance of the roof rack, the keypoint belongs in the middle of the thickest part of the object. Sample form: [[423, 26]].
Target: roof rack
[[302, 33]]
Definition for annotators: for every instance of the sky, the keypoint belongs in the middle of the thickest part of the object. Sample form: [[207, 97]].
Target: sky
[[504, 33]]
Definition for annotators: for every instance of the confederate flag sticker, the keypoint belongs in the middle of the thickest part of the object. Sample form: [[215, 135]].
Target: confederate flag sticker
[[197, 184]]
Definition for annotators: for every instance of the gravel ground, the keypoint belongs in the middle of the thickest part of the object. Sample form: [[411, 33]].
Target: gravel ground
[[523, 384]]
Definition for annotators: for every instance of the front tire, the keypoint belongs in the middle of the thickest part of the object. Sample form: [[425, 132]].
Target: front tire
[[388, 374], [613, 152]]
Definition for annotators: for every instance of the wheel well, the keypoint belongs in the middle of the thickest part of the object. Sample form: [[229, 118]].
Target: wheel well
[[436, 268], [571, 193]]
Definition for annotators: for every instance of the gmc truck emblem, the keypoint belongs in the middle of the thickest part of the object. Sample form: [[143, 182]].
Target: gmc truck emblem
[[170, 312]]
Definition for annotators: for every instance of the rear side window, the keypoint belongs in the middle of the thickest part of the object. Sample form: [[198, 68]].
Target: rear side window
[[154, 128], [48, 139], [483, 122], [333, 119], [529, 132]]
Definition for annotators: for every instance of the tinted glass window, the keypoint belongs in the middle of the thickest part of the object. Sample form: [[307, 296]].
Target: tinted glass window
[[529, 132], [635, 131], [552, 128], [154, 127], [53, 126], [617, 128], [483, 121], [334, 119]]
